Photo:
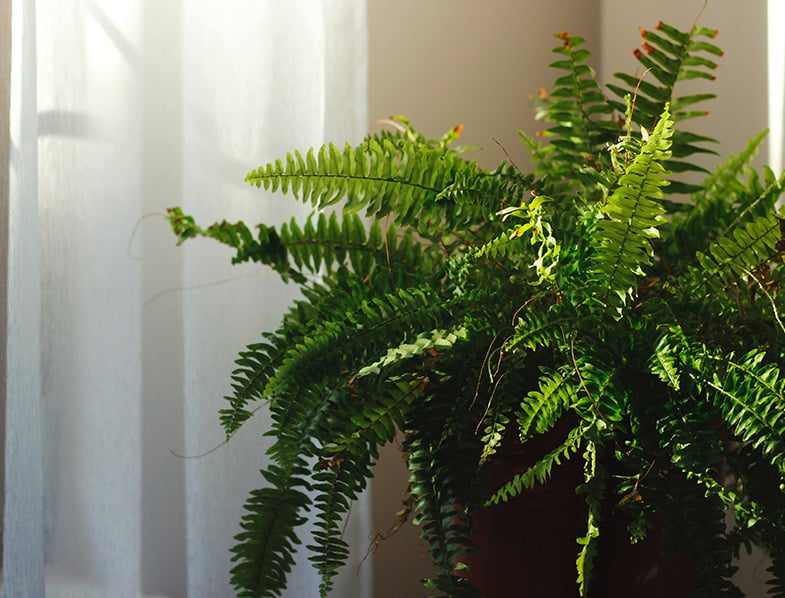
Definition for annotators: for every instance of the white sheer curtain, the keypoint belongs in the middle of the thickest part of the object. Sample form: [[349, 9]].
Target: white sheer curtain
[[119, 344]]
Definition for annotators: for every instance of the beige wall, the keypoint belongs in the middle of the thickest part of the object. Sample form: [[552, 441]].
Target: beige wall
[[741, 108], [444, 62]]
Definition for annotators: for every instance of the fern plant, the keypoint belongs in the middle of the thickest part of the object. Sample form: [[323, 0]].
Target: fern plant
[[474, 310]]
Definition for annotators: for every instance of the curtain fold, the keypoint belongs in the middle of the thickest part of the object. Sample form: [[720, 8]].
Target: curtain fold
[[120, 344], [23, 542]]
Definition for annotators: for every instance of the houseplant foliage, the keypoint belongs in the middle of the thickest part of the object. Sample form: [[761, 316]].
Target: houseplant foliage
[[600, 297]]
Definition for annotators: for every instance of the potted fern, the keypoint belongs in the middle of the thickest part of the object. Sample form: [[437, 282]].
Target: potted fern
[[599, 313]]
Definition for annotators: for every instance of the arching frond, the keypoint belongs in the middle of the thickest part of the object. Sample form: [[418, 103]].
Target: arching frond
[[408, 180], [594, 488], [669, 56], [580, 117], [442, 474], [541, 408], [540, 472], [734, 255], [750, 396], [265, 548], [716, 205], [322, 245], [633, 213]]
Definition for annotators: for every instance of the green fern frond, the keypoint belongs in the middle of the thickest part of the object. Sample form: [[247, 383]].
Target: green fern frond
[[735, 254], [594, 489], [350, 341], [750, 396], [350, 446], [338, 484], [725, 179], [322, 245], [381, 411], [433, 341], [496, 424], [255, 366], [397, 177], [670, 56], [541, 408], [664, 362], [602, 399], [760, 518], [716, 205], [354, 343], [581, 118], [541, 324], [258, 363], [264, 550], [489, 190], [633, 214], [441, 456], [540, 472], [688, 432]]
